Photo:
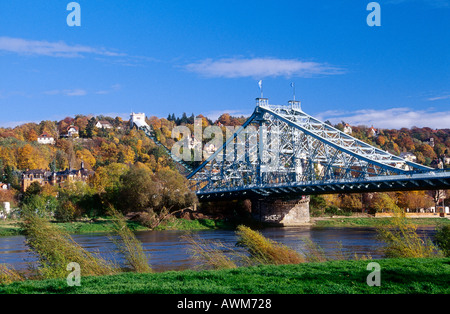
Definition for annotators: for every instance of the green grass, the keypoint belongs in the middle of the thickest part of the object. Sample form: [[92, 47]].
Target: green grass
[[376, 222], [398, 276], [198, 224], [11, 228]]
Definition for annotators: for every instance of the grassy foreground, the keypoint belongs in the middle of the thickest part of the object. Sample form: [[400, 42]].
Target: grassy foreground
[[398, 276]]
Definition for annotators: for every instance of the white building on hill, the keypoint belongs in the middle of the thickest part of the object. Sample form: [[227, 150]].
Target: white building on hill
[[138, 120], [46, 139]]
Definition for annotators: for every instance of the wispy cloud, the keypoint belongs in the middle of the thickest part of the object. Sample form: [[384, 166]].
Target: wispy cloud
[[394, 118], [82, 92], [261, 67], [67, 92], [439, 97], [51, 49], [112, 89]]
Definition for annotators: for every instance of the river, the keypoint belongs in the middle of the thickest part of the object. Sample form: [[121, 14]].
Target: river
[[168, 250]]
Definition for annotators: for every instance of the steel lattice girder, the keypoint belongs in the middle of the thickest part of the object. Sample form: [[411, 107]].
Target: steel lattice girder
[[283, 145]]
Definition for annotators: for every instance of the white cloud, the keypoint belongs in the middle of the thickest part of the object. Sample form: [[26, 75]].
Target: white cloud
[[261, 67], [51, 49], [439, 97], [113, 88], [67, 92], [394, 118]]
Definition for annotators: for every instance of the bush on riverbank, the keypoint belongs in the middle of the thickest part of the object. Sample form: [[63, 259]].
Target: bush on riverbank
[[443, 239], [401, 239]]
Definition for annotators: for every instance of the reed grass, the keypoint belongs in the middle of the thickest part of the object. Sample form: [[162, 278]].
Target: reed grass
[[55, 249], [266, 251], [128, 245], [313, 252], [9, 275], [210, 254]]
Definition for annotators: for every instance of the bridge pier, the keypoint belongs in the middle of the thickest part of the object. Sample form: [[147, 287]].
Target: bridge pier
[[281, 212]]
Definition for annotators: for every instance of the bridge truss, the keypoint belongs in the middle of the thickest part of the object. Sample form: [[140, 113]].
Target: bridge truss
[[283, 152]]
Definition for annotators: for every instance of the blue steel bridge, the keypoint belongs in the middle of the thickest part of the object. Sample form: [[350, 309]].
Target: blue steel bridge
[[281, 152]]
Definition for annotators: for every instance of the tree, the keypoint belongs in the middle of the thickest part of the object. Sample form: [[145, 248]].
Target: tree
[[26, 157], [414, 200], [350, 202], [139, 191], [175, 193], [383, 201]]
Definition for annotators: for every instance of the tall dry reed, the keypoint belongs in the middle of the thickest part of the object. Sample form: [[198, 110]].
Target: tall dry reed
[[266, 251], [9, 275], [55, 249], [211, 254], [128, 245]]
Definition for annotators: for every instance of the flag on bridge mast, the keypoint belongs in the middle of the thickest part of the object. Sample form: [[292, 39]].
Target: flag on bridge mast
[[293, 86], [260, 87]]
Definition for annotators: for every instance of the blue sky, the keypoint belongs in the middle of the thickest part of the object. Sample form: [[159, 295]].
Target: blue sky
[[206, 57]]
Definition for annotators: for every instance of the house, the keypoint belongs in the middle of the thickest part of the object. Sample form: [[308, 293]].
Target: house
[[36, 175], [348, 129], [103, 124], [46, 139], [194, 143], [430, 142], [72, 131], [446, 160], [408, 157], [5, 210], [138, 120], [372, 132], [437, 163], [44, 177]]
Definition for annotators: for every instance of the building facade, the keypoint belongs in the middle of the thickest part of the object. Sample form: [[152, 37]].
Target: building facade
[[44, 177]]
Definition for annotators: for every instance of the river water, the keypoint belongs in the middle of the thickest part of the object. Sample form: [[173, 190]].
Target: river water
[[168, 250]]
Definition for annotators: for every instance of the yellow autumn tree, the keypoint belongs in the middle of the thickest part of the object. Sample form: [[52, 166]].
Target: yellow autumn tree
[[87, 157]]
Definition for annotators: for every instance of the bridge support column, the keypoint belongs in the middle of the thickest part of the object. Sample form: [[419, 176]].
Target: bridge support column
[[282, 212]]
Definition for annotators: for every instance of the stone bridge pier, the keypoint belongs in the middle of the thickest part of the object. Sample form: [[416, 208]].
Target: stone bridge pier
[[282, 212]]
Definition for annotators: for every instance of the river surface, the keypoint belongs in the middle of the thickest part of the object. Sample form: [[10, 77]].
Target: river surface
[[168, 250]]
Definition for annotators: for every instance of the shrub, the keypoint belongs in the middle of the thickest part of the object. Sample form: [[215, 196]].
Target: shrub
[[442, 239], [66, 212], [402, 240], [266, 251], [333, 210]]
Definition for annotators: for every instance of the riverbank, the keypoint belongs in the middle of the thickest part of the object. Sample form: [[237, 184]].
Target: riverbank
[[10, 228], [398, 276], [338, 221], [104, 225]]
